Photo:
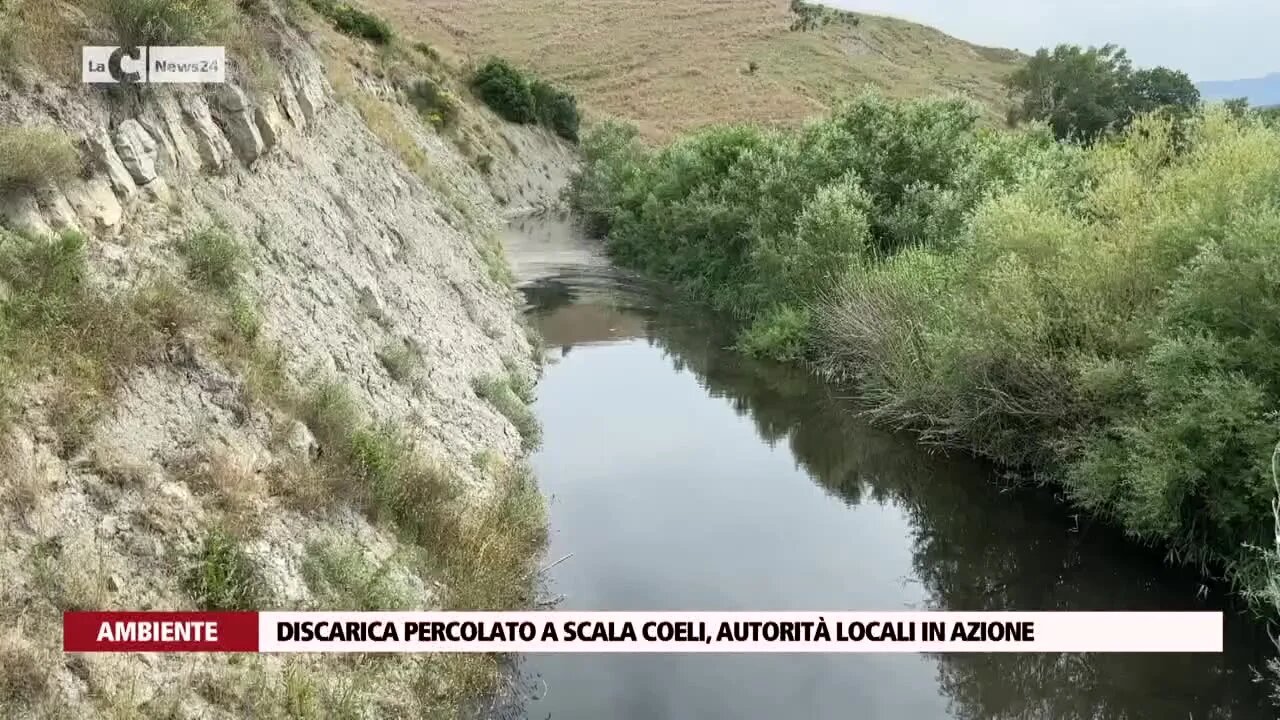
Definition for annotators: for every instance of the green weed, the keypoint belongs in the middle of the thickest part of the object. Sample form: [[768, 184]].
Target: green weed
[[215, 258], [222, 576], [505, 395]]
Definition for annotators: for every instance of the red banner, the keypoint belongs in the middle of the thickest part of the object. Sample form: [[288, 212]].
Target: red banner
[[160, 632]]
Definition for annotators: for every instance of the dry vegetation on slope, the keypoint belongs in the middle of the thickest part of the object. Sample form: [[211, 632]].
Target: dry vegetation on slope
[[671, 65]]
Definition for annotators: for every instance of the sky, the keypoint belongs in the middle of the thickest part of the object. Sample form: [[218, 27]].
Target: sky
[[1208, 39]]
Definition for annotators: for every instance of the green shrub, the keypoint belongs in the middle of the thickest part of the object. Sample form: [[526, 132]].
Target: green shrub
[[223, 577], [750, 219], [169, 22], [427, 51], [521, 98], [556, 109], [53, 318], [353, 21], [523, 385], [503, 394], [505, 90], [399, 486], [436, 104], [341, 577], [215, 258], [402, 360], [330, 411], [35, 156], [781, 334], [245, 318]]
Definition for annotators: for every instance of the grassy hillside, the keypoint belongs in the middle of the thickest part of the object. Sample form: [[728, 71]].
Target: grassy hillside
[[671, 65]]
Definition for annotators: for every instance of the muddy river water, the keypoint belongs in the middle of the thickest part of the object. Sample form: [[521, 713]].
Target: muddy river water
[[682, 476]]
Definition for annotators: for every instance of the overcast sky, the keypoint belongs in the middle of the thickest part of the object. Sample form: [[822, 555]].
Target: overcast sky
[[1209, 39]]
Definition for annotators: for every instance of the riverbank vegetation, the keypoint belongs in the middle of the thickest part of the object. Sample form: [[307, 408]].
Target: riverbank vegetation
[[1103, 317]]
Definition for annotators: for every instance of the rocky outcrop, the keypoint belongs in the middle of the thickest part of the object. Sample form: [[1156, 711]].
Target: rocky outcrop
[[239, 125], [213, 148], [137, 151], [102, 152], [95, 203]]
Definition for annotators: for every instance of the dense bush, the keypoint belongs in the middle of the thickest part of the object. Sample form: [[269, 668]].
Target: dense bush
[[521, 98], [762, 222], [353, 21], [556, 109], [1117, 333], [1103, 317], [505, 90]]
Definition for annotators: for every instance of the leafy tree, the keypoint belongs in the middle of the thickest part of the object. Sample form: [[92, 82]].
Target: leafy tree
[[1084, 94], [1161, 87]]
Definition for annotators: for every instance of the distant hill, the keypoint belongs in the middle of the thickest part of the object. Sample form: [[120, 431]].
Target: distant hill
[[670, 65], [1261, 92]]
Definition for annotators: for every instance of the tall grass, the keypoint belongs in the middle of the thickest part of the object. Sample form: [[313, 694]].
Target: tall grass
[[35, 156], [168, 22], [1104, 318]]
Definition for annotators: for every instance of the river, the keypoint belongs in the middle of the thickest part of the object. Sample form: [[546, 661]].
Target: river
[[683, 476]]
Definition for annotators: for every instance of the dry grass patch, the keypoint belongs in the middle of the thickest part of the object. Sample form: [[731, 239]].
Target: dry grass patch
[[34, 156], [24, 480], [510, 395], [241, 491], [342, 576], [31, 29], [402, 360], [118, 468], [72, 573], [24, 674]]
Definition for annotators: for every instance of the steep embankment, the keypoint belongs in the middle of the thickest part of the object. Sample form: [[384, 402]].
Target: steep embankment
[[272, 360], [670, 66]]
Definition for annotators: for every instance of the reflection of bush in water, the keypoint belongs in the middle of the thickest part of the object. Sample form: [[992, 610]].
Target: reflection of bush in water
[[976, 549], [547, 296]]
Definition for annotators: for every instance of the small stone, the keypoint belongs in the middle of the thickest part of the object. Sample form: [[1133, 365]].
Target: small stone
[[301, 441], [114, 582], [371, 301], [158, 190], [108, 525]]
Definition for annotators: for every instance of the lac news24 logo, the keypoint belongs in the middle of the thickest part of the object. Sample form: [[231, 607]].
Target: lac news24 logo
[[153, 64]]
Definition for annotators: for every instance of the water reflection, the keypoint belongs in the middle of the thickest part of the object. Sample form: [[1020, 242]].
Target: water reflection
[[972, 546], [977, 548]]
